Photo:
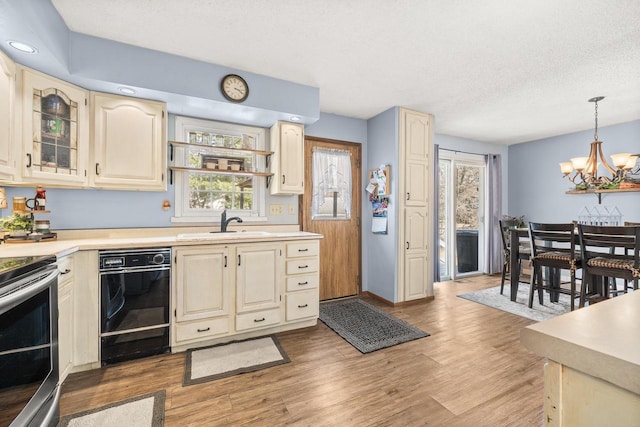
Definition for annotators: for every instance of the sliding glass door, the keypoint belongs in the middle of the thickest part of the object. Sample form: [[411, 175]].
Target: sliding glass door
[[461, 214]]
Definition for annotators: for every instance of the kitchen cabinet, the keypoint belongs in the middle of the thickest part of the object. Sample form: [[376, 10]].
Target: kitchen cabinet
[[65, 314], [414, 221], [302, 296], [86, 311], [129, 143], [55, 131], [287, 165], [201, 293], [258, 284], [9, 148]]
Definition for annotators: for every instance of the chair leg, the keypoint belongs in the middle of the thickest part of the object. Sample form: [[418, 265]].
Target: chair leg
[[573, 288], [540, 285], [532, 287], [504, 274]]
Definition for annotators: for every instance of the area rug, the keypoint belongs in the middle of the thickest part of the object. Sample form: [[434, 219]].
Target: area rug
[[139, 411], [366, 327], [492, 298], [236, 357]]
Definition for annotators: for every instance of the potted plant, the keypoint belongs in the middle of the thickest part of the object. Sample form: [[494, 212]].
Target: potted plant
[[17, 225]]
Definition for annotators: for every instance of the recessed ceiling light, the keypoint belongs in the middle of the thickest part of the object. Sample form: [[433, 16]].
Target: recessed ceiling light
[[295, 118], [127, 90], [22, 47]]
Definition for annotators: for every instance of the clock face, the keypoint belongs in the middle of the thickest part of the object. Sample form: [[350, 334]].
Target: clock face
[[234, 88]]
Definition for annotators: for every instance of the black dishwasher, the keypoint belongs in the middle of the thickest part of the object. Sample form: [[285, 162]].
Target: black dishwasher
[[134, 303]]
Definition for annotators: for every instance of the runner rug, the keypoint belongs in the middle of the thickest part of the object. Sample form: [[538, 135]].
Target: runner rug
[[366, 327], [237, 357], [140, 411]]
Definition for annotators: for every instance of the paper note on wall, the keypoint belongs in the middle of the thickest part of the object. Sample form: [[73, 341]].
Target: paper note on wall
[[379, 225]]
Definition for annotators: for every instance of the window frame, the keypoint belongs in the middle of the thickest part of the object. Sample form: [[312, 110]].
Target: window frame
[[183, 213]]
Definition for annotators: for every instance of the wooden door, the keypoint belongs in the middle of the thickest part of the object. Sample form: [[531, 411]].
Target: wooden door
[[340, 250]]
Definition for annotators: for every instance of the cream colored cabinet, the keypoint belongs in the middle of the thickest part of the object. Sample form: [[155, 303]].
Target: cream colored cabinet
[[258, 284], [55, 131], [415, 223], [302, 266], [86, 311], [129, 143], [287, 165], [201, 294], [9, 148], [65, 315]]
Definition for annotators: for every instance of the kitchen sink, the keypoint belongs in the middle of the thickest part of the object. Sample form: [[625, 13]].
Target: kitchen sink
[[223, 236]]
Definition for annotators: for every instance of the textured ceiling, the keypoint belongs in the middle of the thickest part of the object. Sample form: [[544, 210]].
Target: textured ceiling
[[502, 71]]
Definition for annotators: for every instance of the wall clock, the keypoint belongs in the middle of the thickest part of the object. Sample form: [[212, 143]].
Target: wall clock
[[234, 88]]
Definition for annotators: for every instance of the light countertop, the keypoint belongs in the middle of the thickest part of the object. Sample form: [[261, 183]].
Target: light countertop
[[602, 340], [67, 246]]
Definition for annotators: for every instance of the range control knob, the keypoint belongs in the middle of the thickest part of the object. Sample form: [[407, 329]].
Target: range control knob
[[157, 259]]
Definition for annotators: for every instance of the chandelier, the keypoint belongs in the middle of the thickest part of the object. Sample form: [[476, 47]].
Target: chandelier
[[585, 169]]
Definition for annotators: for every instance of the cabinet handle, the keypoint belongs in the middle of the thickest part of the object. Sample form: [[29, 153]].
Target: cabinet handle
[[407, 245], [259, 320], [29, 157], [225, 261], [303, 250], [66, 271], [283, 178], [303, 266], [97, 168], [238, 259], [303, 305], [302, 283], [408, 196], [203, 330]]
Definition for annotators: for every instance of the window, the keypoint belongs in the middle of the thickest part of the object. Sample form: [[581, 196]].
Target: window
[[202, 196]]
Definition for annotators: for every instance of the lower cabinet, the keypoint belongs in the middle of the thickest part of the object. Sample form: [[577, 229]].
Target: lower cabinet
[[65, 315], [248, 289]]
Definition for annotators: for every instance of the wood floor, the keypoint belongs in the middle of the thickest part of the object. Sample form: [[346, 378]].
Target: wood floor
[[471, 371]]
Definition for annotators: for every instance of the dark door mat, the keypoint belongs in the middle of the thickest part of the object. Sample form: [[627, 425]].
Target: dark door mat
[[365, 327]]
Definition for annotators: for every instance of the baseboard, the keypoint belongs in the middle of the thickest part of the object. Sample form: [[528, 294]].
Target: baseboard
[[396, 304]]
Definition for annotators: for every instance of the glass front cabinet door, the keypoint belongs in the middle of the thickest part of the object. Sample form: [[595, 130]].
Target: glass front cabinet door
[[55, 132]]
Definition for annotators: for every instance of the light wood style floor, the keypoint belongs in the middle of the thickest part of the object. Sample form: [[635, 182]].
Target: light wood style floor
[[471, 371]]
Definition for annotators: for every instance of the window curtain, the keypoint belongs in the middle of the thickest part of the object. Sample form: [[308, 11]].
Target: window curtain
[[493, 242], [331, 177], [436, 212]]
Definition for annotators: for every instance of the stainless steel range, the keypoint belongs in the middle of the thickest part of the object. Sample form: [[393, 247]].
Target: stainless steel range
[[29, 389]]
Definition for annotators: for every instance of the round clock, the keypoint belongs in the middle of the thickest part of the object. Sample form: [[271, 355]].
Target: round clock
[[234, 88]]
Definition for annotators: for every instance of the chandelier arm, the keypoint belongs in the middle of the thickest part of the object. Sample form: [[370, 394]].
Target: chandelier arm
[[604, 160]]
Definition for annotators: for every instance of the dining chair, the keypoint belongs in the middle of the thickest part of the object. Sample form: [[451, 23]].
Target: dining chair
[[608, 252], [524, 250], [553, 246]]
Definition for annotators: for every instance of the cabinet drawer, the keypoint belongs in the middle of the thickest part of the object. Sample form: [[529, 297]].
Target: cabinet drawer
[[302, 249], [302, 266], [303, 304], [257, 319], [300, 283], [201, 329]]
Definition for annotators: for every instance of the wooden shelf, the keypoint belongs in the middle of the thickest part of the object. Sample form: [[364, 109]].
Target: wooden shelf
[[31, 212], [595, 191], [218, 171], [214, 148]]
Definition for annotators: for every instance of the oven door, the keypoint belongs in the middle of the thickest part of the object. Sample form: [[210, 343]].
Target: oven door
[[29, 389]]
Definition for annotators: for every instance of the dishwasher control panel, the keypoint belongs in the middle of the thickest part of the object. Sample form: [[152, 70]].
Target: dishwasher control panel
[[115, 260]]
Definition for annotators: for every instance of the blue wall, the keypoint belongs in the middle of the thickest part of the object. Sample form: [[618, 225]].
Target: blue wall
[[537, 187]]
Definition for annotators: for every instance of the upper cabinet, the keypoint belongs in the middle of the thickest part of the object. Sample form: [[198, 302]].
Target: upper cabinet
[[129, 143], [287, 143], [55, 131], [8, 147]]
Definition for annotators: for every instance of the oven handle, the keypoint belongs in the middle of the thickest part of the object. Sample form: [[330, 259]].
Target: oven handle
[[11, 300], [138, 269]]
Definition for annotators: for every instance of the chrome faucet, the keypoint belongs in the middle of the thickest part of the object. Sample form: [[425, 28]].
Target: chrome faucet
[[224, 222]]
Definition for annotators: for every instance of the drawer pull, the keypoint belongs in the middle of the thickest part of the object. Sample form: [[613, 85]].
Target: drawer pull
[[303, 266], [303, 250], [303, 305], [259, 320], [203, 330], [302, 283], [66, 271]]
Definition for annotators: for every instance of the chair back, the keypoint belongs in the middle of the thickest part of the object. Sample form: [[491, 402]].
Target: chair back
[[505, 226], [556, 238], [620, 243]]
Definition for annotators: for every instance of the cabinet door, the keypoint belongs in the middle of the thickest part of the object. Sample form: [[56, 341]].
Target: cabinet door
[[8, 145], [202, 283], [287, 143], [65, 314], [55, 131], [129, 143], [415, 275], [259, 276], [416, 148]]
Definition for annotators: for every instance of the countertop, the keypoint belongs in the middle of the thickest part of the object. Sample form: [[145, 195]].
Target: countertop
[[68, 246], [601, 340]]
